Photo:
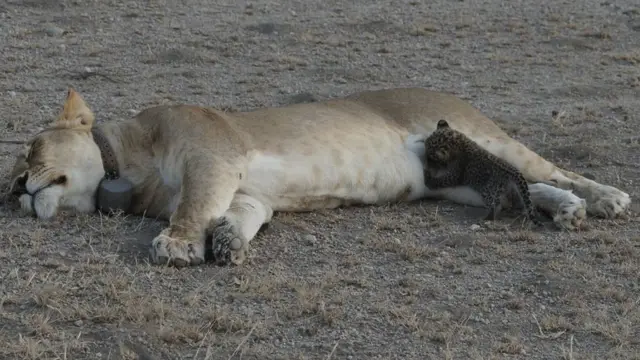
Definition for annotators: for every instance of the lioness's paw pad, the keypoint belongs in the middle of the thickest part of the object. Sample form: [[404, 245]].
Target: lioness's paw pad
[[166, 250], [227, 245], [571, 214]]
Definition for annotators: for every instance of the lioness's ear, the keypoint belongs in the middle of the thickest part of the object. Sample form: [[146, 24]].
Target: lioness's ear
[[75, 113], [443, 124]]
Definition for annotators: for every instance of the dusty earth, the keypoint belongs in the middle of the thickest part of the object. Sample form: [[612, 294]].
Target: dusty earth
[[399, 282]]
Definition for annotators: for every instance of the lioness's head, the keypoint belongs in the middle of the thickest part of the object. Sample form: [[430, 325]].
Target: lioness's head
[[61, 166]]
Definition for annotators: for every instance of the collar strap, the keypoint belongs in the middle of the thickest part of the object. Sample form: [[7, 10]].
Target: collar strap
[[109, 160]]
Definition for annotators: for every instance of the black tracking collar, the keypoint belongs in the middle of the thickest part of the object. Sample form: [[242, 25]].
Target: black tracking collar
[[114, 192]]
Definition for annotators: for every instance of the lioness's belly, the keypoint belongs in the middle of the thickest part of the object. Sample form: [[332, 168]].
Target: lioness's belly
[[364, 173]]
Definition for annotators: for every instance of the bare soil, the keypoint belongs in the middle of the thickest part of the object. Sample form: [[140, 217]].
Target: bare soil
[[412, 281]]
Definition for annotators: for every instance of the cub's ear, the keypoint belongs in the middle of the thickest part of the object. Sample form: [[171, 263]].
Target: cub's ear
[[443, 124], [75, 113]]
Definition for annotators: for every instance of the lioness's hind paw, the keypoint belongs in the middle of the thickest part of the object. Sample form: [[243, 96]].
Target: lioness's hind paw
[[166, 250], [227, 245], [610, 207]]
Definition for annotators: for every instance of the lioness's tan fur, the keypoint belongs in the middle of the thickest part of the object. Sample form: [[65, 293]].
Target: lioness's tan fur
[[206, 169]]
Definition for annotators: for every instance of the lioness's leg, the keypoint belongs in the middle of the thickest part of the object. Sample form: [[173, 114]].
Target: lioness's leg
[[566, 209], [601, 200], [232, 232], [206, 192]]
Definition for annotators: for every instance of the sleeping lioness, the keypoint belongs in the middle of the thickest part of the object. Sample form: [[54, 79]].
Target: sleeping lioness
[[208, 171]]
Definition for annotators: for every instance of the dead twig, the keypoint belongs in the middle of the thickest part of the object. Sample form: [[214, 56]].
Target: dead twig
[[333, 350], [12, 141], [243, 341]]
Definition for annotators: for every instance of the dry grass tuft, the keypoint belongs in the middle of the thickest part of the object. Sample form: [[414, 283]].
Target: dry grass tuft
[[510, 345], [631, 58]]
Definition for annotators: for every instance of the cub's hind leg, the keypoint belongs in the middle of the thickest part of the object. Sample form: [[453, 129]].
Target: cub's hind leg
[[493, 199], [207, 189], [231, 233], [494, 211]]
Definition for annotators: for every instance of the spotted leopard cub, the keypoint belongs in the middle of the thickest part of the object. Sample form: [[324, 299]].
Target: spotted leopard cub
[[453, 160]]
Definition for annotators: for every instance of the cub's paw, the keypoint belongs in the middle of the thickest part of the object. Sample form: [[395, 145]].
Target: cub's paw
[[609, 203], [166, 250], [228, 246], [571, 213]]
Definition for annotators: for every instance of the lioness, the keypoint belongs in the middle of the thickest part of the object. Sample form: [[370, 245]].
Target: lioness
[[225, 173]]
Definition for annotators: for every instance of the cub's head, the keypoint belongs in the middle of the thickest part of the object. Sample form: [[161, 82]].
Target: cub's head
[[61, 166], [441, 146]]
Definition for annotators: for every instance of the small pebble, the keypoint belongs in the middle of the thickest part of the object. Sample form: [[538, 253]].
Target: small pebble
[[310, 239], [54, 31], [475, 227]]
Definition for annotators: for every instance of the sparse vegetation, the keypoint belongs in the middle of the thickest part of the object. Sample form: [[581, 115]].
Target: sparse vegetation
[[427, 280]]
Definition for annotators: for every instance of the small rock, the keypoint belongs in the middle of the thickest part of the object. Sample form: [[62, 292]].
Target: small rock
[[310, 239], [475, 227], [12, 93], [53, 30], [132, 112], [78, 323]]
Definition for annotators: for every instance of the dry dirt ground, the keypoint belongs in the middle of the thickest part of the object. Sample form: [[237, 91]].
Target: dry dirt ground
[[397, 282]]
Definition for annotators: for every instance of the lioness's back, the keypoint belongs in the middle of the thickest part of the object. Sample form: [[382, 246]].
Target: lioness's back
[[417, 108]]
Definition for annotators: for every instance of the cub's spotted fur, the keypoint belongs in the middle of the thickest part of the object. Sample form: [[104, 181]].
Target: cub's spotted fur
[[452, 159]]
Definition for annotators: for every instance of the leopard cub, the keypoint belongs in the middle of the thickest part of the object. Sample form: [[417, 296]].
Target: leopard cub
[[454, 160]]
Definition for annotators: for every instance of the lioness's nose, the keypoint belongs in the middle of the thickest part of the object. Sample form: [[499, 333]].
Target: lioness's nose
[[21, 184]]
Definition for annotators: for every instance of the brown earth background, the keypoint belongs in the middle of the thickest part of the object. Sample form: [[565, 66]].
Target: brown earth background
[[396, 282]]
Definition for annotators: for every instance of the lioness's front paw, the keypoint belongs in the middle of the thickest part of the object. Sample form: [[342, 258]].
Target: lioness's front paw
[[228, 246], [571, 213], [611, 203], [176, 252]]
